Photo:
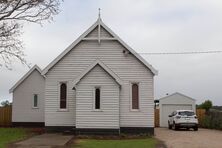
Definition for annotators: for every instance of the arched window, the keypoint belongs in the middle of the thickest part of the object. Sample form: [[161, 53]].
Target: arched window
[[35, 101], [135, 96], [97, 98], [63, 95]]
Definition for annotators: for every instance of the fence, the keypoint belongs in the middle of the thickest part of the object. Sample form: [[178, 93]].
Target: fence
[[5, 116], [199, 112], [157, 117], [212, 120]]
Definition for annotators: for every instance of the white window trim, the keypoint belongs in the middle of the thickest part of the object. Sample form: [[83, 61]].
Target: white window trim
[[94, 99], [63, 109], [35, 107], [131, 105]]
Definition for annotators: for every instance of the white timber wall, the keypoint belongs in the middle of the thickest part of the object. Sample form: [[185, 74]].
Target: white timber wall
[[22, 107], [127, 67], [108, 115]]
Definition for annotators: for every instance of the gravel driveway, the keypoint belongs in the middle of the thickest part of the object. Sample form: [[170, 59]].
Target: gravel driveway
[[203, 138]]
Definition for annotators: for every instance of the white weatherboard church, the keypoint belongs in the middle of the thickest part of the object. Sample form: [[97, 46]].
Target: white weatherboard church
[[98, 85]]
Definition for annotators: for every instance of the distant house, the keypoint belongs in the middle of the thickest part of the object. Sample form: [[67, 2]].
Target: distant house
[[175, 101], [97, 85]]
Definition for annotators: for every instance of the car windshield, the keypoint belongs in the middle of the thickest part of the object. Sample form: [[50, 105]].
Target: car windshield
[[186, 113]]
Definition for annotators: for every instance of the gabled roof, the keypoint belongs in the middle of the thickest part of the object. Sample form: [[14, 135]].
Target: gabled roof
[[35, 67], [82, 37], [101, 64], [176, 93]]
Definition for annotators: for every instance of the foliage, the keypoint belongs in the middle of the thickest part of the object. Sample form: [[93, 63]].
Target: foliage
[[206, 105], [13, 13], [5, 103], [130, 143], [212, 120], [8, 135]]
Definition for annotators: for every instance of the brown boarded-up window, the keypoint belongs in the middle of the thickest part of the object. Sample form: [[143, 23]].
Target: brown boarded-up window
[[135, 96], [97, 98], [63, 95]]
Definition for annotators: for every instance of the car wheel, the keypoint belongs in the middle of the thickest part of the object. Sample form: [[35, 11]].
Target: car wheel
[[169, 126], [174, 126], [188, 128], [195, 128]]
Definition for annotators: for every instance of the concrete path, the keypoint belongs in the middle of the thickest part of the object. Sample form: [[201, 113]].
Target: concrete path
[[45, 141]]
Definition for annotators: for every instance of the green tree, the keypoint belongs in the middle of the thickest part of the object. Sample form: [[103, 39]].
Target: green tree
[[207, 104], [5, 103]]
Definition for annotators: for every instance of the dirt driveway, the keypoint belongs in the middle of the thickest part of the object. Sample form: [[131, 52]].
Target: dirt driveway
[[203, 138]]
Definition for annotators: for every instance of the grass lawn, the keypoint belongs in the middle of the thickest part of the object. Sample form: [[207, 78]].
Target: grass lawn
[[126, 143], [8, 135]]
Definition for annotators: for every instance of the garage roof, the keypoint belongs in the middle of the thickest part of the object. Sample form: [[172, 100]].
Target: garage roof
[[177, 93]]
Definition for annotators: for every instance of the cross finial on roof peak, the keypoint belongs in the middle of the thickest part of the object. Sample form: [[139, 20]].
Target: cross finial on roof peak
[[99, 15]]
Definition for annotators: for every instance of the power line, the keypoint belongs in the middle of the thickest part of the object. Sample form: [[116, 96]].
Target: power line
[[185, 52]]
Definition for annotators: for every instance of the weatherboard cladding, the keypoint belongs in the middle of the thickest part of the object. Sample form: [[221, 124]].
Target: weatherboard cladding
[[108, 115], [22, 108], [128, 68], [102, 65], [98, 24], [35, 67]]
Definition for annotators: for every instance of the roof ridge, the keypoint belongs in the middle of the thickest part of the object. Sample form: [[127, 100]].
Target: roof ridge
[[35, 67]]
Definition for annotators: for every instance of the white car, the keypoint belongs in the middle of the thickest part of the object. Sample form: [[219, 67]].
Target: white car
[[183, 119]]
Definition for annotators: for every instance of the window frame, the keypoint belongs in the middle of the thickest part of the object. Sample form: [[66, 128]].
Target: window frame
[[59, 93], [131, 96], [94, 98], [33, 101]]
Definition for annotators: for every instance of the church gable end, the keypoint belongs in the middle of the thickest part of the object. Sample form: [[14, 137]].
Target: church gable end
[[99, 32], [103, 33]]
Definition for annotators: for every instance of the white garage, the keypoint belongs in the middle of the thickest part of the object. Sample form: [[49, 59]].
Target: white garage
[[174, 102]]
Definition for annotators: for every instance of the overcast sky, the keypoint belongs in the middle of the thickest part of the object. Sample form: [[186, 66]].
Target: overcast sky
[[147, 26]]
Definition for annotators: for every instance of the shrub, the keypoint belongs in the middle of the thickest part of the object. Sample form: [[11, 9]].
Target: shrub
[[212, 120], [205, 122], [206, 105]]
